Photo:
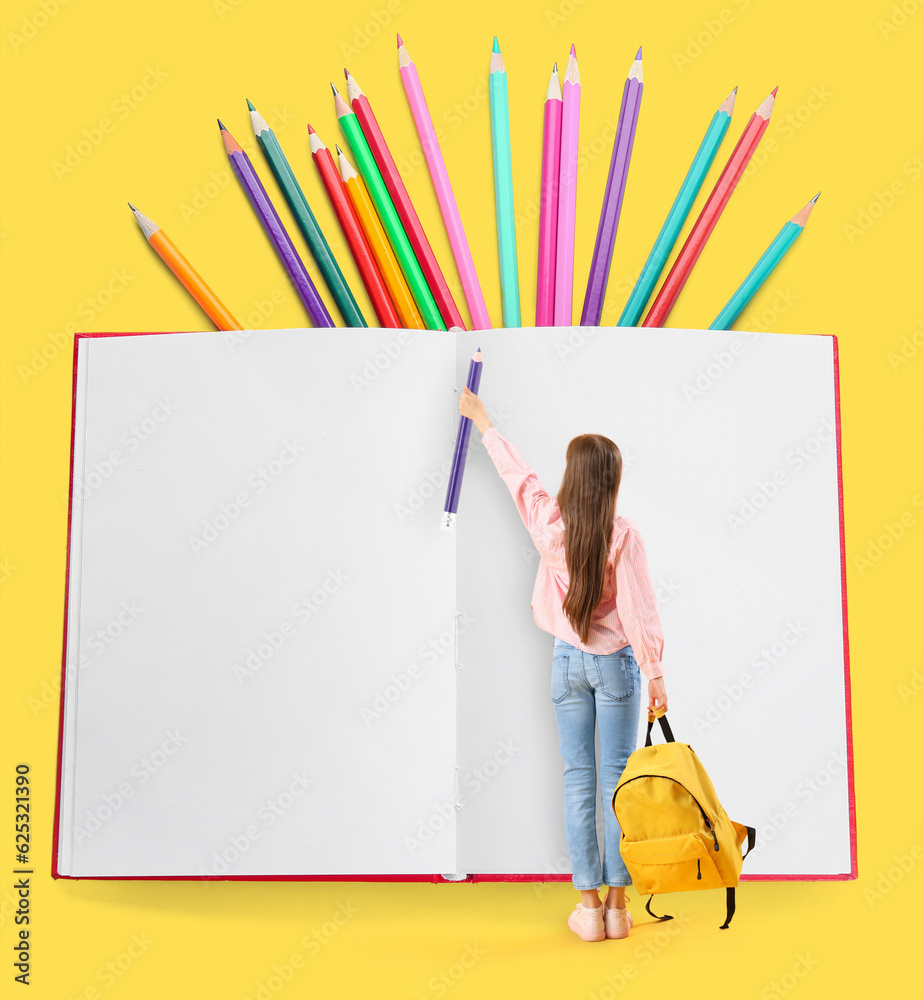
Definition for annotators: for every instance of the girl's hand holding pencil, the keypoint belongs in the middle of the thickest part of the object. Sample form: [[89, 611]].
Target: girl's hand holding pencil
[[470, 406]]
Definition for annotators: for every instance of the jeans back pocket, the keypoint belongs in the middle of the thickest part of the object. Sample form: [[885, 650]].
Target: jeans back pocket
[[560, 686], [616, 675]]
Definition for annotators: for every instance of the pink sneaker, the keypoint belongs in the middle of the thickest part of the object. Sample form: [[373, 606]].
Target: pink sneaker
[[588, 923], [618, 922]]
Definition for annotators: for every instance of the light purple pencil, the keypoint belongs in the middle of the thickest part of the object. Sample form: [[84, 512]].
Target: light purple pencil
[[272, 225], [567, 195], [460, 458], [615, 191]]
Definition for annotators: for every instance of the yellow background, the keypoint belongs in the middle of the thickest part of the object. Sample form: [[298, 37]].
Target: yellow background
[[849, 78]]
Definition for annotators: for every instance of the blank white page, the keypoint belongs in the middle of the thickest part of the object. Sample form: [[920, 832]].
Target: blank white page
[[250, 579], [757, 602]]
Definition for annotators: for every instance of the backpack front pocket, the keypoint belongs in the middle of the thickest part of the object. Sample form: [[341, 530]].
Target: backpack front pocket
[[671, 864]]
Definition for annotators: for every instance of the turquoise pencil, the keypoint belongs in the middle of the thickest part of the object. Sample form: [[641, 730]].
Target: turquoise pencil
[[764, 267], [663, 245], [503, 187]]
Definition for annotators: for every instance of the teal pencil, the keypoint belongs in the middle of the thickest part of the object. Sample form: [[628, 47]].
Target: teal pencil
[[317, 244], [764, 267], [663, 245], [503, 187]]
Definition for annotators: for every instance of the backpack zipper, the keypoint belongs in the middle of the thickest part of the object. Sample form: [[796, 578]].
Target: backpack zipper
[[694, 799], [698, 867]]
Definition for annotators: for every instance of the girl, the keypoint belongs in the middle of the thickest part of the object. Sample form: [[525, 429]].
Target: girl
[[593, 593]]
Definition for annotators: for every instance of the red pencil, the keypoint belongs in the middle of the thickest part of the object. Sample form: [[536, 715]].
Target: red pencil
[[355, 237], [411, 222], [705, 223]]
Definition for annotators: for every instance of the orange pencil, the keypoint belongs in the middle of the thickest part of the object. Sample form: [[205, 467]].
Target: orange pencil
[[390, 269], [187, 274]]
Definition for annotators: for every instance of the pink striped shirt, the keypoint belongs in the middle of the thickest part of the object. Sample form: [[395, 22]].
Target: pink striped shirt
[[627, 613]]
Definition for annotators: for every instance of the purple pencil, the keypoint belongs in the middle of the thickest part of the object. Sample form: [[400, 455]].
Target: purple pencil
[[615, 191], [272, 225], [461, 449]]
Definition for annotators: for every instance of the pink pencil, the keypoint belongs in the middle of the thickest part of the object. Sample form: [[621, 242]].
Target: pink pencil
[[480, 320], [548, 207], [567, 195]]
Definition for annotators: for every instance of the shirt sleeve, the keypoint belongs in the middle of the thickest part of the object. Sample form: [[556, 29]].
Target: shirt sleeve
[[636, 604], [532, 500]]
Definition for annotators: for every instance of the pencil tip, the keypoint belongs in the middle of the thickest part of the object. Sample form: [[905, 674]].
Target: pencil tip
[[496, 44], [221, 125], [339, 151], [774, 90], [132, 207], [250, 105], [311, 130], [333, 88], [555, 68], [814, 199], [573, 50], [638, 56], [400, 41], [735, 89]]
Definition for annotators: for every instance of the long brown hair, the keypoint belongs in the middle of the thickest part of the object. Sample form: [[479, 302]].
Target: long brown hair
[[587, 499]]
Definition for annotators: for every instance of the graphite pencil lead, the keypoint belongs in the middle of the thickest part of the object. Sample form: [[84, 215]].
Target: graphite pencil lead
[[132, 207], [728, 103], [800, 218], [221, 125], [814, 199]]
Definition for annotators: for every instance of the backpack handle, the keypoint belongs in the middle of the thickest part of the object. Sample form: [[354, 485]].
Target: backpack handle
[[664, 726]]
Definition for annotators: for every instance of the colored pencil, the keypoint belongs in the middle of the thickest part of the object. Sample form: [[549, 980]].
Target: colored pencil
[[388, 263], [503, 187], [460, 457], [464, 262], [352, 231], [711, 212], [188, 276], [275, 231], [764, 267], [412, 225], [676, 218], [615, 193], [567, 195], [548, 202], [387, 214], [298, 203]]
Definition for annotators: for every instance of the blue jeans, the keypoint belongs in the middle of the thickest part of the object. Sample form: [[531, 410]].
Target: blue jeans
[[584, 685]]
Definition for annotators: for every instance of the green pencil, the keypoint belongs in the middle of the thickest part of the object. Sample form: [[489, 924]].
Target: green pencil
[[764, 267], [387, 213], [685, 198], [503, 188], [317, 244]]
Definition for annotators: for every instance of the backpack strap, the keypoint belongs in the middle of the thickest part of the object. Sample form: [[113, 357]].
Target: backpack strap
[[647, 906], [731, 906], [664, 725]]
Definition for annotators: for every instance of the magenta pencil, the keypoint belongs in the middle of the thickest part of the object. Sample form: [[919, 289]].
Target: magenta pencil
[[548, 203], [567, 195]]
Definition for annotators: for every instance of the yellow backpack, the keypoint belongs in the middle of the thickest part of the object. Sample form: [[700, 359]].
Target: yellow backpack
[[675, 834]]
